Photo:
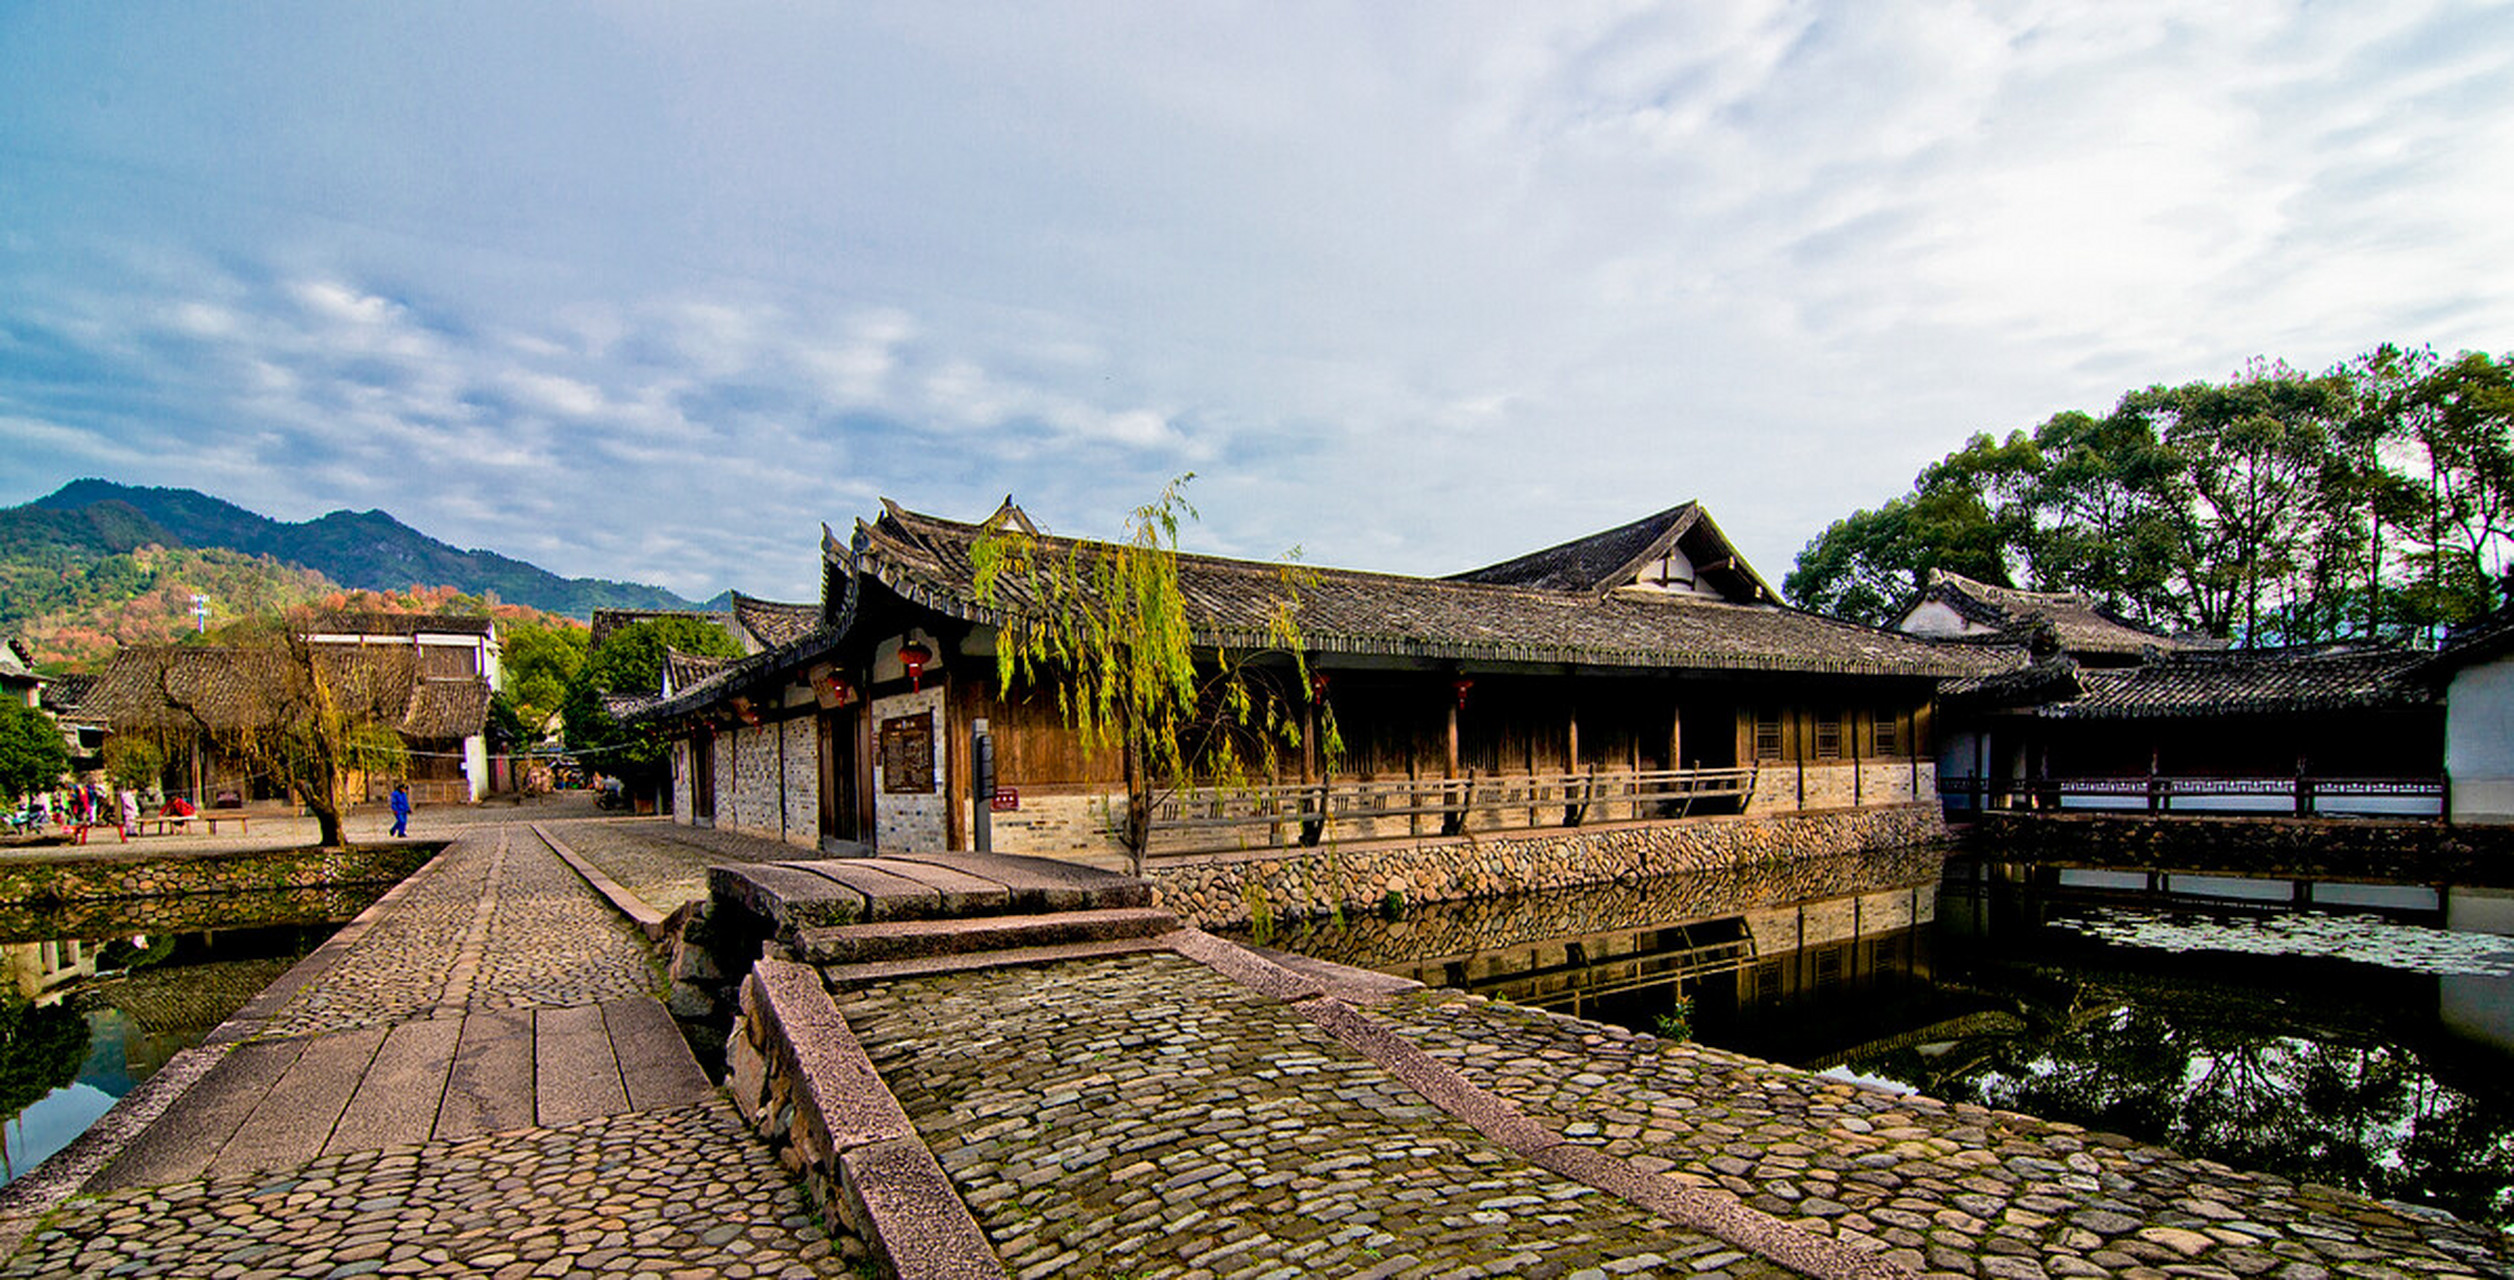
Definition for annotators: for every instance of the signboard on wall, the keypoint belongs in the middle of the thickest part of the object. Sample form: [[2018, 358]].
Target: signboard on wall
[[908, 754], [1005, 800]]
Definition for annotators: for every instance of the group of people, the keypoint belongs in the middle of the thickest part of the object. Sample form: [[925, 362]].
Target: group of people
[[79, 805], [90, 805]]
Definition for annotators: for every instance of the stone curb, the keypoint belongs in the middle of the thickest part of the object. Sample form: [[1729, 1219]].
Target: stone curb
[[848, 1130], [1714, 1213], [25, 1201], [649, 921]]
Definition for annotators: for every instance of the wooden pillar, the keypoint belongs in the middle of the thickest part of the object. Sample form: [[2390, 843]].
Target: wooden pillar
[[1676, 737], [1449, 763], [1858, 796]]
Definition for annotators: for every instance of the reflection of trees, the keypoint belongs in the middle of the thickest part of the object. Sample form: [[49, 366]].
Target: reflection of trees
[[40, 1050], [2322, 1095]]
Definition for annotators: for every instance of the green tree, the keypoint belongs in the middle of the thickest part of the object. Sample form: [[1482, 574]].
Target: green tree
[[539, 661], [630, 661], [1960, 516], [31, 755], [1107, 627]]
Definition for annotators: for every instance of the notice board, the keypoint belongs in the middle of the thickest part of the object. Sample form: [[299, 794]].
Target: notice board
[[908, 754]]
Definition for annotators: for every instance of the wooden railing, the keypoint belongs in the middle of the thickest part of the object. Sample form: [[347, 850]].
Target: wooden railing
[[1307, 813], [2300, 794]]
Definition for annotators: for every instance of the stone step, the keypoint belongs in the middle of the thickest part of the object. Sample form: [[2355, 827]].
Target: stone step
[[885, 941], [827, 892]]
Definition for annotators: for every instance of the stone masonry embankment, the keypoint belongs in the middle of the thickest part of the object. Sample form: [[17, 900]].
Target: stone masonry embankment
[[2409, 851], [1220, 893], [140, 873]]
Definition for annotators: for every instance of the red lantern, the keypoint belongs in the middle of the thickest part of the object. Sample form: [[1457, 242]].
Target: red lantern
[[1318, 686], [913, 657], [1462, 684]]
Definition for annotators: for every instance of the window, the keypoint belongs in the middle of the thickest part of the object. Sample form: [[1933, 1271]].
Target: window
[[1767, 735], [1889, 734], [1828, 735]]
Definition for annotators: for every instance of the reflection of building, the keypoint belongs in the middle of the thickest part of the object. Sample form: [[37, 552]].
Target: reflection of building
[[1645, 673], [35, 968], [2480, 1006]]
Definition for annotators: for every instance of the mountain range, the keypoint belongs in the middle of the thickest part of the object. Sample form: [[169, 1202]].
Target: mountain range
[[367, 550]]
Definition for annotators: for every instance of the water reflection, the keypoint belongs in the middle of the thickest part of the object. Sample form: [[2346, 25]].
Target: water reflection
[[2354, 1034], [83, 1020]]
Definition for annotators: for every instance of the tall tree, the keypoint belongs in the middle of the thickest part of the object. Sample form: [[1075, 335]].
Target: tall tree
[[1106, 626], [539, 661], [1957, 517], [630, 661]]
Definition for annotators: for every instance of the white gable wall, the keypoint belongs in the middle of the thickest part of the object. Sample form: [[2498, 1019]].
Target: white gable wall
[[2479, 742], [1938, 618]]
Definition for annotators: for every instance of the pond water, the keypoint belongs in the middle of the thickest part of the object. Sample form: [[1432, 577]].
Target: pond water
[[2360, 1035], [85, 1019]]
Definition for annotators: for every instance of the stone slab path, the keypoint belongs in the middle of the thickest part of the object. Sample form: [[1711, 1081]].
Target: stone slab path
[[475, 1078]]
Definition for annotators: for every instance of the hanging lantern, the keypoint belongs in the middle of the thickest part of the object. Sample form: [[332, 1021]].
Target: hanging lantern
[[1462, 684], [1318, 686], [912, 658]]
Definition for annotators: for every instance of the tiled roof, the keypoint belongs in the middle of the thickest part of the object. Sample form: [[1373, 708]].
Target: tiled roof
[[66, 696], [357, 622], [2478, 640], [773, 623], [441, 709], [1603, 561], [2079, 624], [681, 670], [2251, 681], [150, 687], [926, 560]]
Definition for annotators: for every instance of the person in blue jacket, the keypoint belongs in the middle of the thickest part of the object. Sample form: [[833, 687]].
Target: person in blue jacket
[[401, 810]]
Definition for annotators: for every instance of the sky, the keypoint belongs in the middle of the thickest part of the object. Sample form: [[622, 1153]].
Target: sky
[[651, 290]]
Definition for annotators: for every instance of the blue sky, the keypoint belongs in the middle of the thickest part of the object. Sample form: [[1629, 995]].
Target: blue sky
[[649, 291]]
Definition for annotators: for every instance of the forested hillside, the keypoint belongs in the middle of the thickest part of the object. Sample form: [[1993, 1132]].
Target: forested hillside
[[360, 550], [2372, 501]]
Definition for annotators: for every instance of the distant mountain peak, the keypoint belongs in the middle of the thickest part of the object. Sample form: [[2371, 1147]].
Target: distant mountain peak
[[372, 549]]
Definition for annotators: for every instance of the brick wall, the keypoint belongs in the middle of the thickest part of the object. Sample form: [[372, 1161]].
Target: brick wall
[[908, 821]]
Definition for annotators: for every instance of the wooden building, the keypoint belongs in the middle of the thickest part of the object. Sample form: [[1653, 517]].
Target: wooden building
[[1643, 674], [430, 678]]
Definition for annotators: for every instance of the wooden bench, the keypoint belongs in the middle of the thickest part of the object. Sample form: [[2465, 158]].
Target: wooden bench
[[162, 825]]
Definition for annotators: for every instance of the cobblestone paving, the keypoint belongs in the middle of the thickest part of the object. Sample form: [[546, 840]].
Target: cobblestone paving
[[1144, 1116], [665, 864], [1954, 1190], [555, 942], [681, 1193], [546, 940]]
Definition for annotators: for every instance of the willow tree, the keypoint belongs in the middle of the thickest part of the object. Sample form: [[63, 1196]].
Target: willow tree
[[1107, 628], [304, 715]]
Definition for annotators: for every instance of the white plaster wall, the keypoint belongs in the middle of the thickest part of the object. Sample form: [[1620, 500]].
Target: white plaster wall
[[476, 764], [683, 810], [1936, 618], [2479, 742]]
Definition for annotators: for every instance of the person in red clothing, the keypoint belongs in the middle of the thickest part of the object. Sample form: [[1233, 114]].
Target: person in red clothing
[[179, 807]]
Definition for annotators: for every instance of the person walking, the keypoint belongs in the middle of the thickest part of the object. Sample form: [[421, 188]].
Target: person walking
[[130, 813], [401, 810]]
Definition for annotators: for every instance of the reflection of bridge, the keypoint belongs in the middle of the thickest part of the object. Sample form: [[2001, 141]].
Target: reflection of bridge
[[2138, 886]]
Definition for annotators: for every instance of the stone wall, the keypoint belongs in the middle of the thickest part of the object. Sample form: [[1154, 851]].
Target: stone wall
[[1319, 881], [768, 781], [2325, 848], [120, 873]]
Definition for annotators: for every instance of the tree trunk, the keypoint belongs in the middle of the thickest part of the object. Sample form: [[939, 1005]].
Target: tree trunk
[[1138, 833]]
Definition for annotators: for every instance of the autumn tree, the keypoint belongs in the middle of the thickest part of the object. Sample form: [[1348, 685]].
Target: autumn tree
[[1134, 670]]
